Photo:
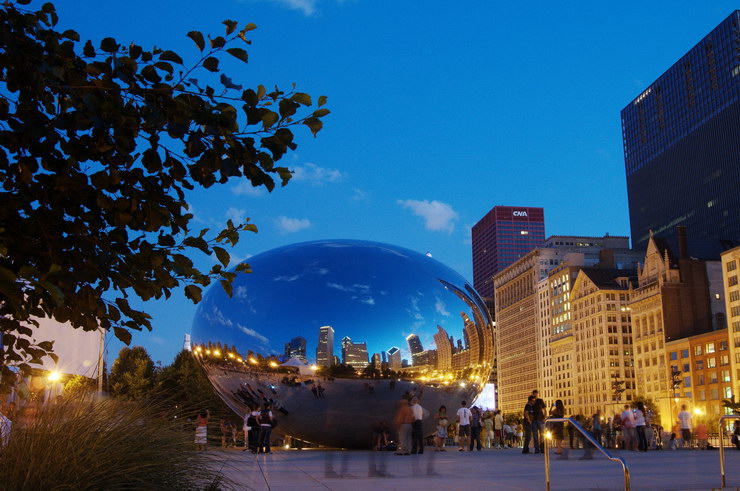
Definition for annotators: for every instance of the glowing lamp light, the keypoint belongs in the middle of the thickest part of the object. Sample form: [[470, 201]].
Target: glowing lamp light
[[462, 384], [208, 352], [253, 361], [240, 360], [54, 376], [548, 435], [217, 353], [273, 364], [697, 411], [231, 355], [314, 367]]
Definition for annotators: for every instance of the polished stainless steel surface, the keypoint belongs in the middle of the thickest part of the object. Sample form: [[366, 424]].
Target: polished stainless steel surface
[[402, 324]]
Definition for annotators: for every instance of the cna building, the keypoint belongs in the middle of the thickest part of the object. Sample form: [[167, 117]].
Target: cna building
[[682, 143], [500, 238]]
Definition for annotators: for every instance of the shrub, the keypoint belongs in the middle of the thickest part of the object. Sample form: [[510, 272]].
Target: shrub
[[88, 444]]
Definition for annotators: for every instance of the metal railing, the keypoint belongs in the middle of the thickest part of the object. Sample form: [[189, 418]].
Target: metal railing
[[722, 432], [592, 441]]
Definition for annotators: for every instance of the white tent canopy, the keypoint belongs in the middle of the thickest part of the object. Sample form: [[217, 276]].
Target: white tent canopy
[[301, 365]]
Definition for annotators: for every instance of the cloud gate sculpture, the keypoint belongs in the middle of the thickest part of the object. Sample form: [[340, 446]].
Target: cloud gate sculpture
[[334, 333]]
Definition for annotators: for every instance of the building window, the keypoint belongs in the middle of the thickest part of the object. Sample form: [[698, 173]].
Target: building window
[[698, 350], [674, 355], [714, 394], [723, 346], [728, 392], [712, 377], [700, 379], [711, 362], [732, 280], [734, 295], [726, 376], [684, 353], [724, 360], [700, 364], [709, 348], [731, 265], [702, 395], [687, 381]]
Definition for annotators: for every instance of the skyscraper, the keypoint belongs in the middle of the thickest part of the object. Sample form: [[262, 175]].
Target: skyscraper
[[504, 235], [415, 345], [681, 138], [354, 354], [325, 349], [296, 347], [394, 359]]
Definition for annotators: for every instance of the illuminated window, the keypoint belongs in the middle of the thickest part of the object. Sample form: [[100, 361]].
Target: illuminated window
[[710, 348]]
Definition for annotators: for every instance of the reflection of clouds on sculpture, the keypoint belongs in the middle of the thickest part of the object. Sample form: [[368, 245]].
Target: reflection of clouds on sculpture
[[367, 291], [439, 306], [357, 292]]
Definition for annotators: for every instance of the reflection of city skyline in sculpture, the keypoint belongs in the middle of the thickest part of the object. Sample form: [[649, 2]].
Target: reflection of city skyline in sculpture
[[296, 348], [325, 348], [354, 354], [423, 326]]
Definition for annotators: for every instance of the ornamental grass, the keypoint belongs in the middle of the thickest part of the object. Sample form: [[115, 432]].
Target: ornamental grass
[[88, 444]]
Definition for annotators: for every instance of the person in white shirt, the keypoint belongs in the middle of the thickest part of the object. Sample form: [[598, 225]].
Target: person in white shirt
[[463, 423], [417, 434], [629, 433], [684, 418]]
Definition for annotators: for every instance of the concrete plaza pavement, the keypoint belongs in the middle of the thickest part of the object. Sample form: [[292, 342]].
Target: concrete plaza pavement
[[505, 469]]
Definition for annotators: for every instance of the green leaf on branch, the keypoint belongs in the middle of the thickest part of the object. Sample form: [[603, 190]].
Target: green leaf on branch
[[123, 334], [198, 39], [211, 64], [109, 45], [231, 26], [228, 288], [301, 98], [238, 53], [170, 56], [222, 255], [269, 119], [194, 293]]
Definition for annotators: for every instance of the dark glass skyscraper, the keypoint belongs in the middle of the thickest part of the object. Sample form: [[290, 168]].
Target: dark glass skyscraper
[[682, 143], [501, 237]]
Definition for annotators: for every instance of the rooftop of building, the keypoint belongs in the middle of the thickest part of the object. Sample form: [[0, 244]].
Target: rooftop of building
[[608, 278]]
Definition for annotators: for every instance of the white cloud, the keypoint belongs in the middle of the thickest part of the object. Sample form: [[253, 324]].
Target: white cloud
[[440, 307], [308, 7], [438, 216], [245, 188], [237, 215], [315, 175], [289, 225], [360, 195], [253, 333]]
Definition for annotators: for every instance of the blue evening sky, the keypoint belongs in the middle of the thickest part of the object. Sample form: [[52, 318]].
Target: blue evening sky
[[440, 110]]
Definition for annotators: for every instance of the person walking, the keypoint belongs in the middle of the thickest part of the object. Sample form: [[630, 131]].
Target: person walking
[[498, 428], [596, 428], [265, 422], [440, 435], [639, 414], [417, 434], [475, 428], [463, 421], [538, 424], [628, 428], [404, 420], [558, 411], [488, 425], [527, 423], [684, 418]]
